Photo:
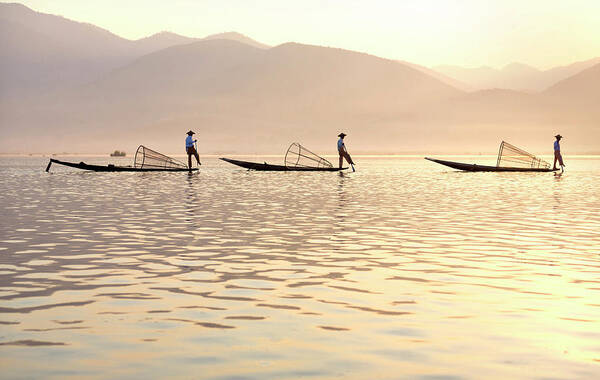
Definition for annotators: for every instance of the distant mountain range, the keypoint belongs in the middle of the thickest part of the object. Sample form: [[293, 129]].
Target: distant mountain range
[[515, 76], [42, 51], [69, 86]]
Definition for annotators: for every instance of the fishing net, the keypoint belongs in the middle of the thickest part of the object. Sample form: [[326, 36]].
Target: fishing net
[[150, 159], [511, 156], [298, 156]]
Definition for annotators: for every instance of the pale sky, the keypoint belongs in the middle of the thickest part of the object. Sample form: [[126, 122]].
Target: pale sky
[[542, 33]]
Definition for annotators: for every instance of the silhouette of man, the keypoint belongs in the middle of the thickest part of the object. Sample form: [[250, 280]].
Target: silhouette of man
[[343, 152], [557, 155], [190, 149]]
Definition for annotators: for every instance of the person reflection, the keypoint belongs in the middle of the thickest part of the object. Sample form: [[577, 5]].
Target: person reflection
[[191, 199], [342, 198]]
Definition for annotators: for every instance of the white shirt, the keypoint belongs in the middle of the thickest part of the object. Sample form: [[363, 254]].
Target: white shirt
[[340, 144], [556, 145], [189, 141]]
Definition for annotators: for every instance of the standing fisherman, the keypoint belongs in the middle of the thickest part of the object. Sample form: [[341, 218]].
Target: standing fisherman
[[343, 152], [190, 149], [557, 155]]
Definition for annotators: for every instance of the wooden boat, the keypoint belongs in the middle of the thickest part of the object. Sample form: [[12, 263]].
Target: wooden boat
[[510, 159], [279, 168], [485, 168], [146, 160], [113, 168], [297, 159]]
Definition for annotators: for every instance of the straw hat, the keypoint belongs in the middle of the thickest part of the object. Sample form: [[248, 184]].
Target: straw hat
[[190, 133], [558, 136], [342, 134]]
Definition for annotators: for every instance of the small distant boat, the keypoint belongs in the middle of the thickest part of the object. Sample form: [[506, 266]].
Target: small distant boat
[[146, 160], [510, 159], [297, 158], [118, 153]]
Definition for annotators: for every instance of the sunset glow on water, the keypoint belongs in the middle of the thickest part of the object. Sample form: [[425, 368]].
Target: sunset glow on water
[[404, 269]]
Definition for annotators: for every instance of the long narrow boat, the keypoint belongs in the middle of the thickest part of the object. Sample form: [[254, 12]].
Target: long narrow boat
[[510, 159], [113, 168], [278, 168], [485, 168], [297, 159], [146, 160]]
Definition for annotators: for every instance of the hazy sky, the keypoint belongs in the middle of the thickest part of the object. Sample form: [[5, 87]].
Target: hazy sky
[[542, 33]]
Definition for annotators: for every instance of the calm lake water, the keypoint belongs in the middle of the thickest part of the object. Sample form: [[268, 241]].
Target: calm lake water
[[403, 270]]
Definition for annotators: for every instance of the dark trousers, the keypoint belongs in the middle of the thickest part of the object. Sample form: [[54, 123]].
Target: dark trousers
[[344, 154], [191, 151], [558, 157]]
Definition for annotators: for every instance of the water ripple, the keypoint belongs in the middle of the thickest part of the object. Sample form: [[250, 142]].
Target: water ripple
[[402, 269]]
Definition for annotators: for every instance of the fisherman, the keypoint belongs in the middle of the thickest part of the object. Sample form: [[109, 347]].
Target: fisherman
[[190, 149], [557, 155], [343, 152]]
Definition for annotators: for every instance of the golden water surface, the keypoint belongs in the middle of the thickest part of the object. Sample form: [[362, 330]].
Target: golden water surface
[[405, 269]]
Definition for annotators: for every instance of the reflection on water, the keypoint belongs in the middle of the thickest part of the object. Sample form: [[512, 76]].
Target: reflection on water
[[401, 270]]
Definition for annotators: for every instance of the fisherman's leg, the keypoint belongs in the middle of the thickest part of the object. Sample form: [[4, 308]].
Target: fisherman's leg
[[197, 157], [341, 160], [348, 158], [555, 159], [560, 160], [189, 161]]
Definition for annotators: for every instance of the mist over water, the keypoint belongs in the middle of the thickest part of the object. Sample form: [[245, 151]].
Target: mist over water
[[404, 269]]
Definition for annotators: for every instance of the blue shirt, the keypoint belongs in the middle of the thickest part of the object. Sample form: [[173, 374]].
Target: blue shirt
[[556, 145], [189, 141], [340, 144]]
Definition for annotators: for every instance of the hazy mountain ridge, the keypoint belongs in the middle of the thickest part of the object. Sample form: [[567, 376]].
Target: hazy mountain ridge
[[49, 24], [583, 86], [246, 97], [164, 39], [235, 36], [438, 75], [580, 93], [42, 52], [294, 87], [161, 40], [514, 76]]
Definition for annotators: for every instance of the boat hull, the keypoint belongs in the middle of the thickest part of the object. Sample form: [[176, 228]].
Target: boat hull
[[277, 168], [113, 168], [485, 168]]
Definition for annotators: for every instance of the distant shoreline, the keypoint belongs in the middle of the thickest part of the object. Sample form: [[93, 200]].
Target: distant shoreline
[[358, 154]]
